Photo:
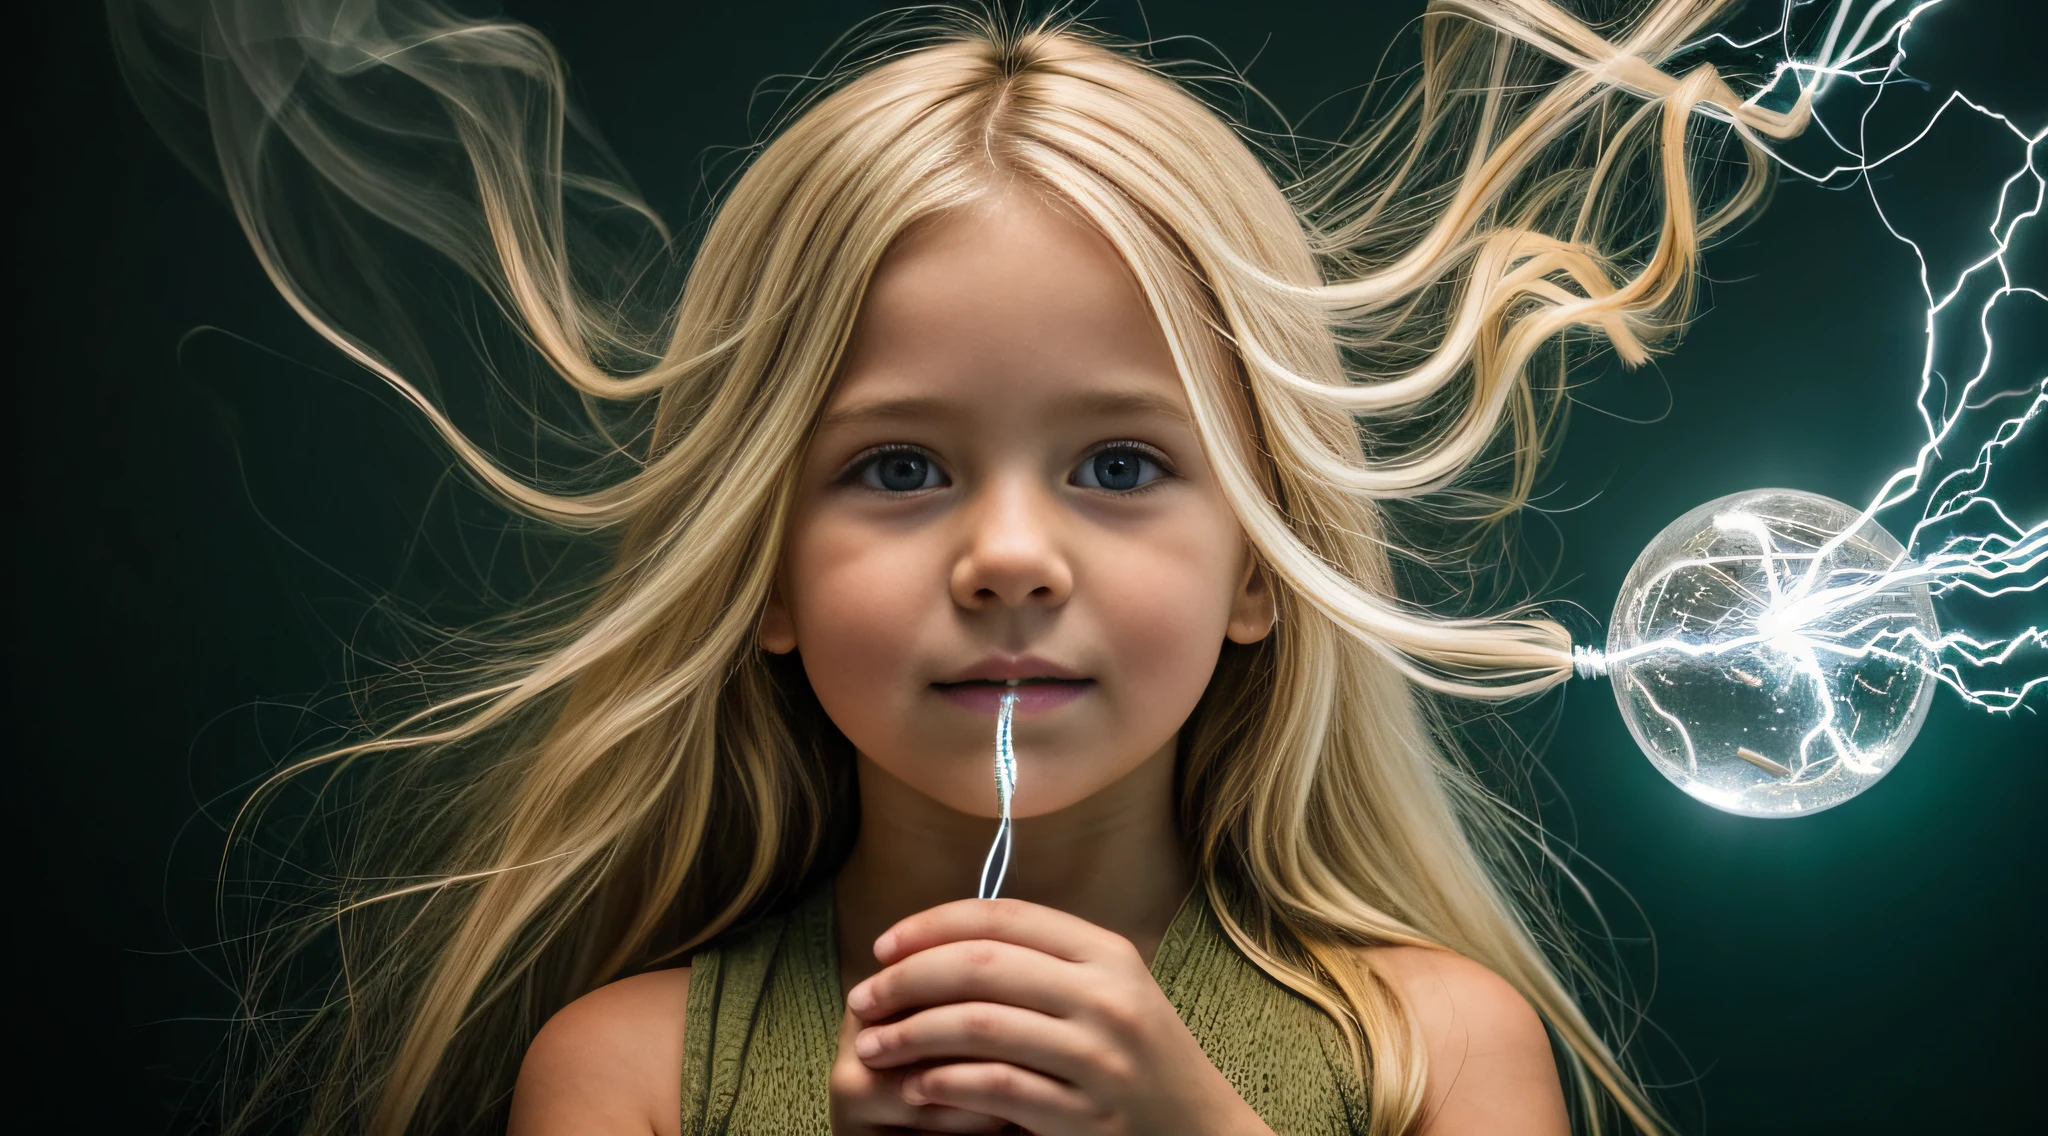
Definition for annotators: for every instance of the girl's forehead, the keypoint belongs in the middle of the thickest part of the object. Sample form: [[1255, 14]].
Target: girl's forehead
[[1076, 400], [1008, 295], [1009, 262]]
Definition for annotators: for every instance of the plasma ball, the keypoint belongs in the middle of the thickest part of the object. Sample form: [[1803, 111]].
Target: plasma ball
[[1769, 654]]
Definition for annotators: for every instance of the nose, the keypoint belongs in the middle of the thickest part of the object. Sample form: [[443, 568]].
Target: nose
[[1011, 557]]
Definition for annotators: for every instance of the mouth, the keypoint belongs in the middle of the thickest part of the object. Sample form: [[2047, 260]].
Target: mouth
[[1035, 695]]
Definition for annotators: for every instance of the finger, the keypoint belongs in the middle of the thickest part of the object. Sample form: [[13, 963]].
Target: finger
[[1032, 1101], [977, 970], [943, 1118], [1009, 920], [981, 1031], [877, 1102], [865, 1099], [932, 1118]]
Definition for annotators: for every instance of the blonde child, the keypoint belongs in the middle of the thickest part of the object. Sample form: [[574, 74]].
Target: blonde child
[[1008, 366]]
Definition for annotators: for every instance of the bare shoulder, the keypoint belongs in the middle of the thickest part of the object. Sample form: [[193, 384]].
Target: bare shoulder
[[1490, 1065], [609, 1063]]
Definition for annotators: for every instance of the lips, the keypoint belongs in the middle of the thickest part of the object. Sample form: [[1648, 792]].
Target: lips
[[1004, 668], [1034, 696], [1040, 685]]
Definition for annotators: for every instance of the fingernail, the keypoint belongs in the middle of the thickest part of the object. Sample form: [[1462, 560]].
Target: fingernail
[[867, 1044], [913, 1090], [886, 945], [860, 1001]]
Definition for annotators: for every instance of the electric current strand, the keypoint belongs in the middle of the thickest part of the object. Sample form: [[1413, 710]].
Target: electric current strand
[[997, 865]]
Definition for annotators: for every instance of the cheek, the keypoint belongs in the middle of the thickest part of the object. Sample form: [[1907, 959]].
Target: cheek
[[1163, 605], [856, 601]]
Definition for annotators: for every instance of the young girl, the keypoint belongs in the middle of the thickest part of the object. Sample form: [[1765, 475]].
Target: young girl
[[1008, 367]]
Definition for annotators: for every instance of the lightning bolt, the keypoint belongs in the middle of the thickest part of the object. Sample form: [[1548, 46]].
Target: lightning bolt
[[1962, 539]]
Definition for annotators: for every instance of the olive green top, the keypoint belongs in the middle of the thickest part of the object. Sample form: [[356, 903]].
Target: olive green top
[[765, 1008]]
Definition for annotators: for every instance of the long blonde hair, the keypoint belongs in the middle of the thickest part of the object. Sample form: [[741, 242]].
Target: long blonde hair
[[640, 778]]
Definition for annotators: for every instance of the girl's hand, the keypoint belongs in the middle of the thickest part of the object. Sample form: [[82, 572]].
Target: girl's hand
[[869, 1102], [1035, 1018]]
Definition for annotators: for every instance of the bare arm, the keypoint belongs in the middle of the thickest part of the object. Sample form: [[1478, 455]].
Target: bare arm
[[1490, 1066], [609, 1064]]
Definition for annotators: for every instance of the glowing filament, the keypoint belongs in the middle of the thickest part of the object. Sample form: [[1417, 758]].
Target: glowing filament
[[997, 865]]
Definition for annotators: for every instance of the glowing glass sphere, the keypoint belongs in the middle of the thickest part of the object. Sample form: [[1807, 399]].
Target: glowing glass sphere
[[1766, 667]]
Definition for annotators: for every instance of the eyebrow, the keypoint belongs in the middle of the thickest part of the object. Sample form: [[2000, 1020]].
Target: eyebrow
[[911, 407]]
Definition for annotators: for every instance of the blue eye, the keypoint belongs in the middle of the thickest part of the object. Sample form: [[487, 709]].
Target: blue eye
[[901, 471], [1119, 469]]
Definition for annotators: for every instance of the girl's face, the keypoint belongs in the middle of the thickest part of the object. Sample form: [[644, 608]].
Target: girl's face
[[1006, 484]]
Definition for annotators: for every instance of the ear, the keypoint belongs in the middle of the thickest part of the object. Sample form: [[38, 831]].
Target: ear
[[1251, 609], [776, 631]]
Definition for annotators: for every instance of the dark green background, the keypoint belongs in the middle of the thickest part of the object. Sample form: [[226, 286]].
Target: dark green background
[[196, 541]]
